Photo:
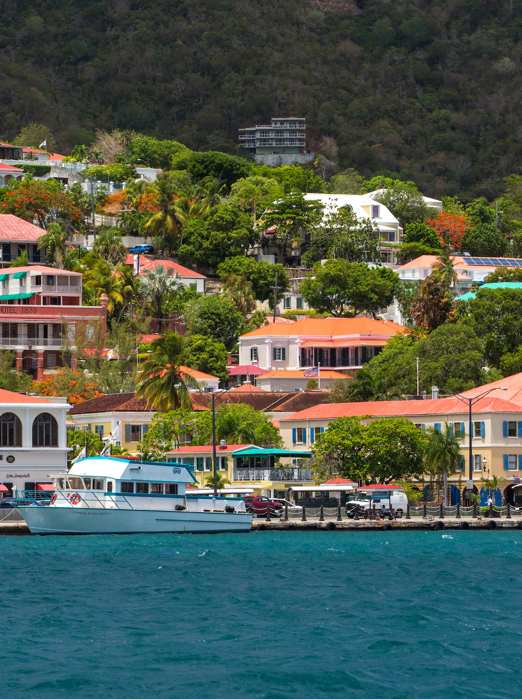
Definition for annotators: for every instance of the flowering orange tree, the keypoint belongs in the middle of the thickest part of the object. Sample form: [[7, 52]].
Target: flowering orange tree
[[451, 227], [39, 200], [69, 383]]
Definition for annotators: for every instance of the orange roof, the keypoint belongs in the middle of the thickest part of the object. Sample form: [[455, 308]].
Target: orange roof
[[279, 320], [275, 423], [247, 388], [428, 261], [198, 375], [299, 374], [39, 268], [9, 168], [12, 397], [146, 264], [330, 327], [404, 408], [512, 383], [342, 343], [339, 481]]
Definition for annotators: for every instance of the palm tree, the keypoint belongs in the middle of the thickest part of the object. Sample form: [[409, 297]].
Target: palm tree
[[172, 215], [55, 242], [207, 194], [233, 427], [109, 246], [239, 291], [221, 480], [161, 380], [444, 269], [79, 153], [491, 484], [442, 454], [157, 283]]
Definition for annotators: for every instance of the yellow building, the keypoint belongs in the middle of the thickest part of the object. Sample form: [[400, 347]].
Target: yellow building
[[496, 433], [269, 472]]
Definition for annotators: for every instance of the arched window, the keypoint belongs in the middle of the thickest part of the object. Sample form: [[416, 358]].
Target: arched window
[[45, 431], [10, 430]]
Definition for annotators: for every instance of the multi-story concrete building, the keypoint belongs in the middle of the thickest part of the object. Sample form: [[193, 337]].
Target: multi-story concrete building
[[18, 237], [40, 308], [283, 135]]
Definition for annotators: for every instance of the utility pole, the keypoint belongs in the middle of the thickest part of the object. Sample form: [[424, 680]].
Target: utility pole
[[418, 387], [276, 289], [93, 210], [496, 215]]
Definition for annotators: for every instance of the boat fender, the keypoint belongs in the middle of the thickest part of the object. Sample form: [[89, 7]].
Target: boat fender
[[387, 528], [260, 528], [491, 524], [439, 526], [75, 499], [519, 525], [331, 526], [464, 525]]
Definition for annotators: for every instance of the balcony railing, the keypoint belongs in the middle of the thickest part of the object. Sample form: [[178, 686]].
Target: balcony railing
[[23, 340], [63, 288], [273, 474]]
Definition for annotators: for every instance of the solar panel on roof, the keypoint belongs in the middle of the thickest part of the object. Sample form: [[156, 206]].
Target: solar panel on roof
[[493, 261]]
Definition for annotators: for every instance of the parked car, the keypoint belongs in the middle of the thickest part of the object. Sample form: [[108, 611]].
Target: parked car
[[142, 250], [259, 504], [290, 505], [381, 500]]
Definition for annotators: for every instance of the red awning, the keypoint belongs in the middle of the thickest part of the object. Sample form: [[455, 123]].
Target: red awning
[[3, 488], [45, 486], [247, 369]]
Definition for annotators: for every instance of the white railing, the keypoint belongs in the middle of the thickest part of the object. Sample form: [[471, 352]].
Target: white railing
[[23, 340], [273, 474]]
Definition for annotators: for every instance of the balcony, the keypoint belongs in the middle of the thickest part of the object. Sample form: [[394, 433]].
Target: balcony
[[61, 288], [273, 474], [23, 341]]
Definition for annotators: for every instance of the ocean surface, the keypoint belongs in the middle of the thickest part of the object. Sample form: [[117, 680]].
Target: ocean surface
[[265, 615]]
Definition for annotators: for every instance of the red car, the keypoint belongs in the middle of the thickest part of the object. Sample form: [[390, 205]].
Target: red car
[[258, 504]]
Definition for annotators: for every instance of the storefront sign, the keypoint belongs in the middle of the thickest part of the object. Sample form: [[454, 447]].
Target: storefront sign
[[18, 475]]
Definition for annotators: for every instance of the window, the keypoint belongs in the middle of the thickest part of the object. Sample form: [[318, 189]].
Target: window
[[132, 433], [75, 483], [54, 300], [512, 430], [109, 486], [142, 488], [477, 466], [458, 429], [477, 429], [127, 487], [288, 302], [10, 430], [22, 282], [50, 280], [223, 463], [208, 463], [253, 354], [299, 435], [376, 209], [97, 483], [299, 303], [156, 488], [200, 463], [279, 354], [418, 425], [87, 483], [98, 430], [45, 431], [37, 281], [5, 284], [171, 488], [512, 462]]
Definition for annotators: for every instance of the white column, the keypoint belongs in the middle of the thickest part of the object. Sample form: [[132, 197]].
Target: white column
[[268, 344], [27, 432], [63, 430]]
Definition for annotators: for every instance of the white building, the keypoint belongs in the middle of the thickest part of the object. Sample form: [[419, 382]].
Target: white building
[[33, 441]]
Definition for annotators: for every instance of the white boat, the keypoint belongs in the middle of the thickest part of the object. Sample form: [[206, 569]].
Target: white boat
[[104, 495]]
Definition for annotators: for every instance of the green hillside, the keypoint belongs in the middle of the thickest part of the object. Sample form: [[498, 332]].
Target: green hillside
[[426, 90]]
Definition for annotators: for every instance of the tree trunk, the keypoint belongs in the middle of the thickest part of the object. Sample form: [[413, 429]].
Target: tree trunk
[[445, 486], [159, 314]]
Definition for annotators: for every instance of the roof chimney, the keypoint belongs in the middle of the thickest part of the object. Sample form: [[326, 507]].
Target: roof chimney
[[434, 392], [223, 444], [104, 301]]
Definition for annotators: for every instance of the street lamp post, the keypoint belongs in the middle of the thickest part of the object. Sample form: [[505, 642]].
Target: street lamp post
[[470, 403]]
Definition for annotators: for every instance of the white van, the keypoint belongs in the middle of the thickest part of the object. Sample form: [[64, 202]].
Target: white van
[[381, 497]]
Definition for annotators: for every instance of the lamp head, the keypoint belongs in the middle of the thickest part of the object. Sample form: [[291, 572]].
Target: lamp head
[[504, 388]]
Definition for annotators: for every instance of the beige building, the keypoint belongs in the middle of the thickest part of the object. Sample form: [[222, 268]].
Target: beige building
[[496, 432]]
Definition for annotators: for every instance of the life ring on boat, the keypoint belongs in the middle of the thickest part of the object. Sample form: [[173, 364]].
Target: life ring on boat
[[74, 499], [53, 499]]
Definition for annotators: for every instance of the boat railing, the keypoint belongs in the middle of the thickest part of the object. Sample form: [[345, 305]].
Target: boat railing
[[77, 498]]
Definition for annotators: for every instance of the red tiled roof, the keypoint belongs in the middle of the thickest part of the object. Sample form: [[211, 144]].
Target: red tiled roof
[[247, 370], [198, 375], [404, 408], [330, 327], [39, 268], [146, 264], [339, 481], [279, 320], [9, 168], [13, 228], [512, 383]]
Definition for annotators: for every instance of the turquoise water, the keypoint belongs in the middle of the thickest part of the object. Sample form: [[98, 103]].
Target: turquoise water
[[266, 615]]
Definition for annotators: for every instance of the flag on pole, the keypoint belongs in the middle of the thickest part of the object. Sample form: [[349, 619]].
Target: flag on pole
[[106, 451], [312, 372], [81, 455], [43, 144]]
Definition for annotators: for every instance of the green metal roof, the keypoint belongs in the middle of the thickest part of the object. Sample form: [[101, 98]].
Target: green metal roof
[[494, 285], [4, 277], [20, 275], [272, 452], [13, 297]]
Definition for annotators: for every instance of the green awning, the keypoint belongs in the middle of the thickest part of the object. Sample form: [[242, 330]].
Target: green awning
[[20, 275], [9, 297], [272, 452], [4, 277]]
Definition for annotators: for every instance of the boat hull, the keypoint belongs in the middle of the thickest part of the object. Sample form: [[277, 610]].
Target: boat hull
[[68, 520]]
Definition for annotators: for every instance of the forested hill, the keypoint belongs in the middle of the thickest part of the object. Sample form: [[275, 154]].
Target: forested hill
[[427, 90]]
